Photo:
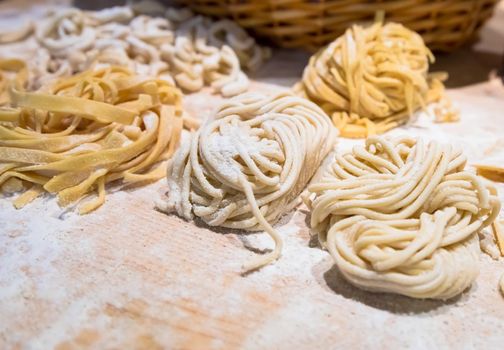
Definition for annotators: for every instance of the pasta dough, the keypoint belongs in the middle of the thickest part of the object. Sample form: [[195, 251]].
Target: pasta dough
[[83, 132], [247, 167], [373, 79], [402, 215], [195, 50]]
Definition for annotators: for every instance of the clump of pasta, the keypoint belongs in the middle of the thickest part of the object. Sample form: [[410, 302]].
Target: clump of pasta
[[212, 53], [74, 136], [246, 167], [402, 215], [370, 80], [193, 50]]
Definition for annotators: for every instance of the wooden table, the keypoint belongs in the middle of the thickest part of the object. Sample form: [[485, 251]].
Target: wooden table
[[130, 277]]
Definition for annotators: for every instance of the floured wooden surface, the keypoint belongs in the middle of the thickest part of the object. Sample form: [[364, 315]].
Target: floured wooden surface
[[128, 276]]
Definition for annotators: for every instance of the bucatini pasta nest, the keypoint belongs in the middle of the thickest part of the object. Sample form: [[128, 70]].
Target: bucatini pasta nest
[[77, 134], [370, 80], [402, 216], [246, 167]]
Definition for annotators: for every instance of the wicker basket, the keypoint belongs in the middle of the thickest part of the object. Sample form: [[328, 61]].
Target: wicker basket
[[444, 24]]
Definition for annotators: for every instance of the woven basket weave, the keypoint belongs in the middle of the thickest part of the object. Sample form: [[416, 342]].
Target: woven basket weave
[[444, 24]]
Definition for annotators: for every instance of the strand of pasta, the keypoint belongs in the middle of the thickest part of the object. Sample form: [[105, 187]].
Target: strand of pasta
[[85, 131], [402, 216], [370, 80], [246, 167], [494, 173]]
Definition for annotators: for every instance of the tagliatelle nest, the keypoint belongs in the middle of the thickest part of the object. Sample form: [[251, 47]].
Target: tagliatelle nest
[[76, 135], [370, 80]]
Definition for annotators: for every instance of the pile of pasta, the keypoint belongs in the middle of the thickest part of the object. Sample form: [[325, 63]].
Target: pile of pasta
[[77, 134], [246, 167], [207, 52], [193, 50], [372, 79], [402, 215]]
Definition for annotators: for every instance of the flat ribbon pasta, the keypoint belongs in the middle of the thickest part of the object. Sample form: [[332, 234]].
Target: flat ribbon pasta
[[12, 72], [402, 216], [370, 80], [80, 133], [245, 168]]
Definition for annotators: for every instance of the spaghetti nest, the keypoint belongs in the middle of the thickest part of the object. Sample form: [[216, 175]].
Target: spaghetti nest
[[80, 133], [370, 80], [246, 168], [402, 216]]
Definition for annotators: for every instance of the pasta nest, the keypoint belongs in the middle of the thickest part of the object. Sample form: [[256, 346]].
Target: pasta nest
[[194, 51], [247, 166], [370, 80], [80, 133], [402, 216]]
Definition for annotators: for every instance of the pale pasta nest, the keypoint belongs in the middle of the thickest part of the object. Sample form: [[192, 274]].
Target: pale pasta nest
[[11, 70], [193, 50], [246, 167], [372, 79], [402, 215], [78, 134]]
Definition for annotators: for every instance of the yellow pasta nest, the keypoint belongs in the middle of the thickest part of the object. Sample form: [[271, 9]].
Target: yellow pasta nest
[[372, 79], [80, 133]]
